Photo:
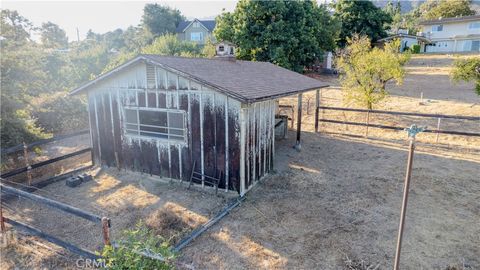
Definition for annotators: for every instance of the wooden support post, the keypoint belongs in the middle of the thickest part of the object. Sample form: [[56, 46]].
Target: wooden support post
[[106, 231], [27, 165], [299, 122], [2, 222], [438, 129], [317, 104]]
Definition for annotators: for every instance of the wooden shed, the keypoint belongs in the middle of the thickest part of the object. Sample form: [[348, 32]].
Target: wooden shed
[[161, 114]]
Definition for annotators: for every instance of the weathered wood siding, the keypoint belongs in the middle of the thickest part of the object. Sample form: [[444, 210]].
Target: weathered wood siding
[[259, 140], [214, 129]]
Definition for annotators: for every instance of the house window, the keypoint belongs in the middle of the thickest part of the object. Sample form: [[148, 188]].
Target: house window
[[221, 48], [196, 24], [155, 123], [437, 28], [475, 45], [474, 25], [196, 36]]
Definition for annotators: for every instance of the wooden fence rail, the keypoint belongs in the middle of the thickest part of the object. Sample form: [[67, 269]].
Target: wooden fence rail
[[367, 124], [43, 163], [20, 147], [104, 221]]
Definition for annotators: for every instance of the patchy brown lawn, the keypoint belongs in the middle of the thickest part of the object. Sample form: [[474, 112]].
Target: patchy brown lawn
[[126, 198]]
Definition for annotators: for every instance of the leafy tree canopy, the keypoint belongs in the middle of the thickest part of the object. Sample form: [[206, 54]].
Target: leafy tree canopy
[[52, 36], [292, 34], [446, 9], [365, 71], [160, 19], [361, 17], [467, 70]]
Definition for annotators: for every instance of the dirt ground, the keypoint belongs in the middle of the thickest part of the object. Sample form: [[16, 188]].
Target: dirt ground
[[337, 202], [333, 205], [170, 209]]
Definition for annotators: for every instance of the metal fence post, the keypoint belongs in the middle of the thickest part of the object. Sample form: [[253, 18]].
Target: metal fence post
[[438, 129], [411, 132], [27, 164]]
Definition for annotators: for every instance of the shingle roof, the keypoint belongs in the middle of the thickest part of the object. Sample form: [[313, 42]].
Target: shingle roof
[[209, 24], [249, 81], [451, 20], [244, 80]]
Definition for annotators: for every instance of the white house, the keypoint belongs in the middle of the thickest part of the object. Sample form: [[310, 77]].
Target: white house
[[459, 34]]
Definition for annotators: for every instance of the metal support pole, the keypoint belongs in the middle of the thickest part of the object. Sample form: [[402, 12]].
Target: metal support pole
[[299, 122], [438, 128], [367, 121], [317, 104], [106, 230], [412, 131], [27, 165]]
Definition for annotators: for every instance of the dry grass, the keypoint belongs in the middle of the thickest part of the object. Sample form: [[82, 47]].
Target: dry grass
[[335, 205]]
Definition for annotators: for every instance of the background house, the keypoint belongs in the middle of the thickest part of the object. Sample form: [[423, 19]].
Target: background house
[[459, 34], [406, 40], [160, 114], [198, 31]]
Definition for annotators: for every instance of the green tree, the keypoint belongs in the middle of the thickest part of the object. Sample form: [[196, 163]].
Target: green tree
[[395, 12], [160, 19], [292, 34], [361, 17], [365, 71], [467, 70], [447, 9], [52, 36]]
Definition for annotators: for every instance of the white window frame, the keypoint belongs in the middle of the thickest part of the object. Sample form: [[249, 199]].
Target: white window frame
[[131, 102], [200, 36], [436, 26], [196, 24]]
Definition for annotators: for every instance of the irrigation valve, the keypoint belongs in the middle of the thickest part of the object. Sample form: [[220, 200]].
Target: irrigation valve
[[413, 130]]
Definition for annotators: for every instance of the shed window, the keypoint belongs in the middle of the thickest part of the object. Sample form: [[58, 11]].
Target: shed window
[[172, 81], [150, 76], [155, 123]]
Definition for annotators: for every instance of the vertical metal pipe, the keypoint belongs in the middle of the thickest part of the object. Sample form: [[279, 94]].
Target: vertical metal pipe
[[317, 104], [404, 202], [438, 129], [367, 121], [27, 164], [299, 121]]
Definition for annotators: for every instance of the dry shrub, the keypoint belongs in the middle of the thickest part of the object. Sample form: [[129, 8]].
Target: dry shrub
[[168, 224]]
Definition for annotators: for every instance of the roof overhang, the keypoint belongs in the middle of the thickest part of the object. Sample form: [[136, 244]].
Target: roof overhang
[[420, 38]]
